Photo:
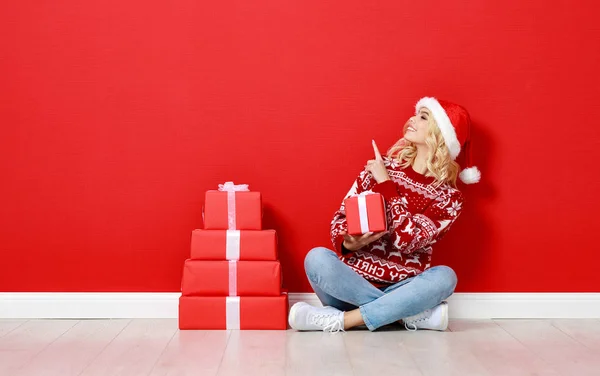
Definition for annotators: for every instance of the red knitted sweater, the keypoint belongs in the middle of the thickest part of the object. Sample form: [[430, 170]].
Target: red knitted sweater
[[418, 215]]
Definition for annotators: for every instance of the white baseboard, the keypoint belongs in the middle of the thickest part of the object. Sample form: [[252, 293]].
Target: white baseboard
[[35, 305], [165, 305]]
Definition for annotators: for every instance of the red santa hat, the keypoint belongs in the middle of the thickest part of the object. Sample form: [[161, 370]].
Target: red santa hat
[[454, 123]]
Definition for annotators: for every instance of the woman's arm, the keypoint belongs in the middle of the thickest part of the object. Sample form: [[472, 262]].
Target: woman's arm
[[339, 227], [375, 171]]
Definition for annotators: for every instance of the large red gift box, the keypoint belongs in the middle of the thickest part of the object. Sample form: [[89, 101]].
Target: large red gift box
[[247, 312], [232, 210], [234, 245], [231, 278], [365, 213]]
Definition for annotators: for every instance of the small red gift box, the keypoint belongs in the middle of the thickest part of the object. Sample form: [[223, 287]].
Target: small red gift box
[[231, 208], [231, 278], [234, 245], [247, 313], [365, 213]]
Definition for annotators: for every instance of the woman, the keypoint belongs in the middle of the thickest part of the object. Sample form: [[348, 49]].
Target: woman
[[378, 279]]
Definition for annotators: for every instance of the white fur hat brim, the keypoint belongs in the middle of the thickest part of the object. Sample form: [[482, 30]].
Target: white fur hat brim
[[443, 122]]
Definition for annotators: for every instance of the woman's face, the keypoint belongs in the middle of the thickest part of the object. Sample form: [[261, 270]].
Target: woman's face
[[417, 127]]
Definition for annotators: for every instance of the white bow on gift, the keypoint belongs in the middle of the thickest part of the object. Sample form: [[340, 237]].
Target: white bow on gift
[[230, 187], [362, 210]]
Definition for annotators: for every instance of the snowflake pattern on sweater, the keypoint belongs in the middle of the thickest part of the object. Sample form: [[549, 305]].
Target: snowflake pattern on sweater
[[418, 213]]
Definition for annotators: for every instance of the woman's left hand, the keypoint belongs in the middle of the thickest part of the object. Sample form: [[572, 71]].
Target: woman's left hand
[[376, 166]]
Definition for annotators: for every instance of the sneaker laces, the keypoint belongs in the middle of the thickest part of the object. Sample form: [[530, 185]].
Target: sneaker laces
[[411, 323], [329, 321]]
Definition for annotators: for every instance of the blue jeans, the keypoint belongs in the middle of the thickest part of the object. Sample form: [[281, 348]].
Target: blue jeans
[[337, 285]]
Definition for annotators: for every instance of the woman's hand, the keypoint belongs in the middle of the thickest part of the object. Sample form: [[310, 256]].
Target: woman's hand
[[376, 167], [354, 243]]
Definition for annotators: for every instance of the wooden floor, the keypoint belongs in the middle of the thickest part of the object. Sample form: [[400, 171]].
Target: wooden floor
[[157, 347]]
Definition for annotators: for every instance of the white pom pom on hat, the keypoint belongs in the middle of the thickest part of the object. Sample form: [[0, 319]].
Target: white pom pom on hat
[[454, 123]]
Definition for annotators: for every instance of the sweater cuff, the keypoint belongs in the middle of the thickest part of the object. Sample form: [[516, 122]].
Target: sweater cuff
[[345, 250], [340, 249], [387, 189]]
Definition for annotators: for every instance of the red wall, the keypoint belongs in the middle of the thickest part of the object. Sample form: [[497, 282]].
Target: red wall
[[117, 116]]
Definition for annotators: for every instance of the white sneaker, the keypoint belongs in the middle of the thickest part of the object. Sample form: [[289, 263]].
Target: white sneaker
[[435, 318], [303, 316]]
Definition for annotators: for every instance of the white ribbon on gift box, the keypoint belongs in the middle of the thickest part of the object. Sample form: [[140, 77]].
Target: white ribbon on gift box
[[232, 245], [232, 312], [233, 278], [232, 302], [362, 211], [231, 188]]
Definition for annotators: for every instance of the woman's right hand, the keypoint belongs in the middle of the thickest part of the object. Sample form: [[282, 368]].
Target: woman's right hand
[[354, 243]]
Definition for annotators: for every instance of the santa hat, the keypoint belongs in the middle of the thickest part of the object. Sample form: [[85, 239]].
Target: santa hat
[[454, 123]]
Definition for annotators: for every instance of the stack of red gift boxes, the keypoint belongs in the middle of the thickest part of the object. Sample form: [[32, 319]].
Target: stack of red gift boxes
[[233, 277]]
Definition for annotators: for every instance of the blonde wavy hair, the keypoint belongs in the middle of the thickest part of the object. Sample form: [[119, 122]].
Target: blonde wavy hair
[[439, 163]]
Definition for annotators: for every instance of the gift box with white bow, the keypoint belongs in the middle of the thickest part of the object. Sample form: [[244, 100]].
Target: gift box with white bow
[[246, 312], [242, 245], [231, 278], [365, 213], [232, 207]]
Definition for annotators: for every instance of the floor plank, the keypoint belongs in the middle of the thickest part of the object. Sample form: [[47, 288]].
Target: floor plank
[[317, 353], [562, 352], [584, 331], [382, 353], [497, 351], [254, 352], [157, 347], [441, 353], [135, 350], [22, 344], [74, 350], [193, 352], [7, 326]]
